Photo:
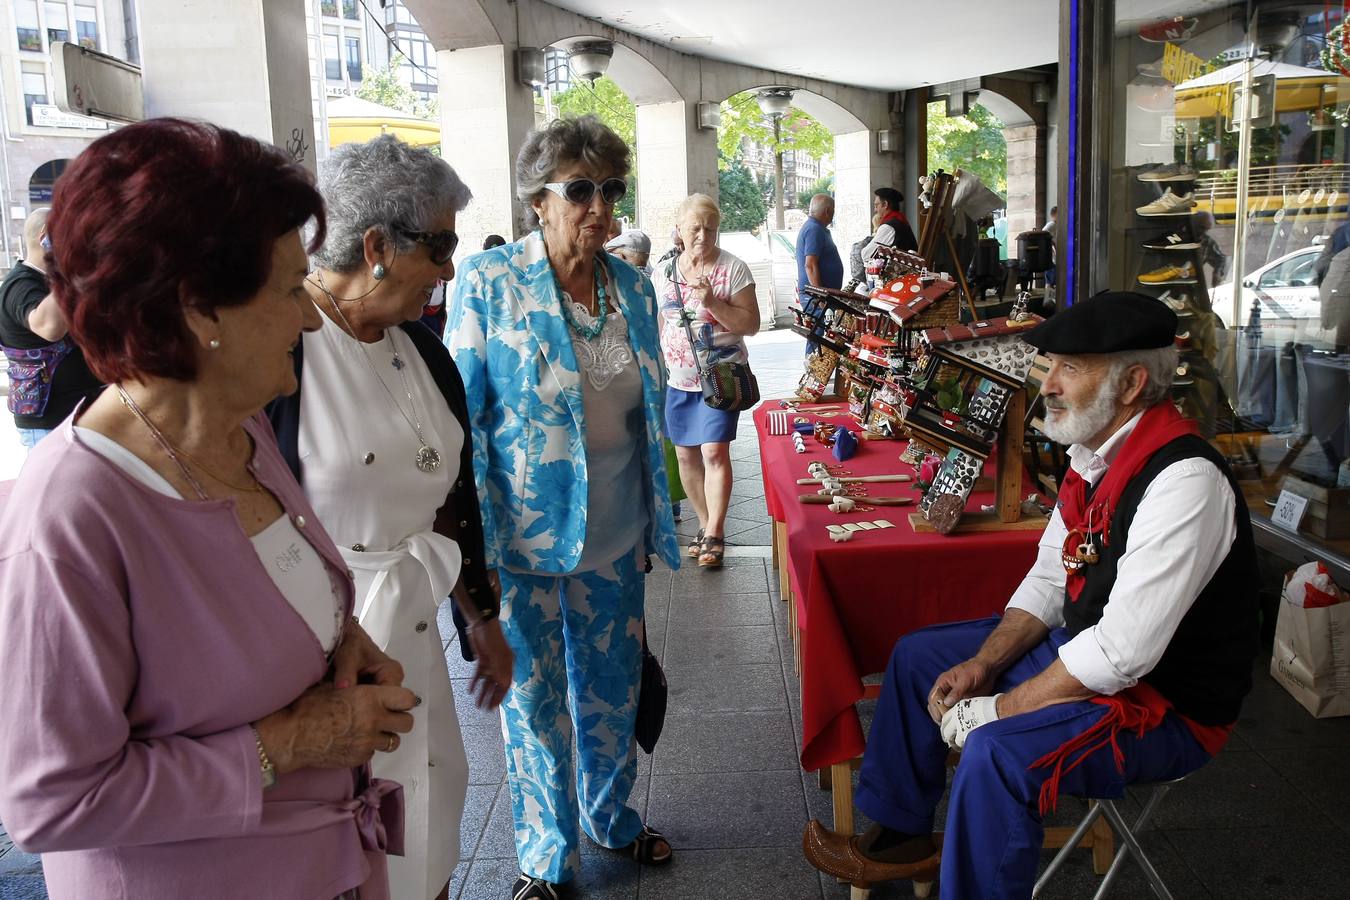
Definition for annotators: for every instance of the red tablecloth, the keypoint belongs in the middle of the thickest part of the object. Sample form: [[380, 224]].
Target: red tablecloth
[[855, 599]]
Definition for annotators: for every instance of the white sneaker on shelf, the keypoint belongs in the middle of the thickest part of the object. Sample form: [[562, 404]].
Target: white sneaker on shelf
[[1169, 204]]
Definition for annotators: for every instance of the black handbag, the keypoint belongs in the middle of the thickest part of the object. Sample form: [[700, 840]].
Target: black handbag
[[652, 696], [726, 386]]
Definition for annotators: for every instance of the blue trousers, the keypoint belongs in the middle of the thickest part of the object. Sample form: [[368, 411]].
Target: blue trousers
[[992, 842], [577, 641]]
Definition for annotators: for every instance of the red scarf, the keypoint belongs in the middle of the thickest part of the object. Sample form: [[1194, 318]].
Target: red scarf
[[1161, 424], [891, 216], [1139, 709]]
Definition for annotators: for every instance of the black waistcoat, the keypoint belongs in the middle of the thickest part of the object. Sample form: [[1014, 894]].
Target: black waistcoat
[[1207, 667]]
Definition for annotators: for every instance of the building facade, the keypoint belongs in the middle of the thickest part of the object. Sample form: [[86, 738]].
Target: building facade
[[38, 138]]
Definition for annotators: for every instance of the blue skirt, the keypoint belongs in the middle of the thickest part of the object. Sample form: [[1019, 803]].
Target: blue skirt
[[691, 422]]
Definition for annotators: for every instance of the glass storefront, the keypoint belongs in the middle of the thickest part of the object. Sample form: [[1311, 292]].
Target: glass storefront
[[1226, 193]]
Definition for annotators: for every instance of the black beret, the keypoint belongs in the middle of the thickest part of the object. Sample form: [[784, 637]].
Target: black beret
[[1107, 323]]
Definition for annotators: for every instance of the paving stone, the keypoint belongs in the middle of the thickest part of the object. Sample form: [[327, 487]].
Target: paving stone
[[737, 579], [1237, 788], [1271, 719], [469, 714], [741, 741], [1260, 863], [749, 809], [710, 689], [487, 760], [744, 645], [722, 874], [695, 610]]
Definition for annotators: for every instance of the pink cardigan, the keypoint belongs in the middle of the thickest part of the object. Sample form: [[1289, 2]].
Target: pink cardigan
[[139, 635]]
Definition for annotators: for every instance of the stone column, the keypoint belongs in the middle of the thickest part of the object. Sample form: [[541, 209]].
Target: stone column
[[485, 115], [858, 170], [674, 159], [243, 65], [1026, 181]]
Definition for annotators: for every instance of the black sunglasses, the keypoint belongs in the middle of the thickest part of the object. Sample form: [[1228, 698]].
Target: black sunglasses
[[440, 244], [581, 190]]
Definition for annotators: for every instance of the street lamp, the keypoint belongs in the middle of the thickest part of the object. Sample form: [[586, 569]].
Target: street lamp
[[774, 102], [590, 59]]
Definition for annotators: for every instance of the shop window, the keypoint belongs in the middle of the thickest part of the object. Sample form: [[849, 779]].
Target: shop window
[[1234, 212]]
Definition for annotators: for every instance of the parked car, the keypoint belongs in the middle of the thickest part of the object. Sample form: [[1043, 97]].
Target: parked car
[[1287, 291]]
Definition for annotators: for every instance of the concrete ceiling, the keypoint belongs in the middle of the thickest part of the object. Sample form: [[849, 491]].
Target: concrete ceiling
[[891, 45]]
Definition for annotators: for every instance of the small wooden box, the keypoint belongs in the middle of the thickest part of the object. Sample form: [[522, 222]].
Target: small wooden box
[[1328, 513]]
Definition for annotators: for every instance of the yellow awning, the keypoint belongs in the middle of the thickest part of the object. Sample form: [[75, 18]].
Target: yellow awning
[[352, 120], [1296, 88]]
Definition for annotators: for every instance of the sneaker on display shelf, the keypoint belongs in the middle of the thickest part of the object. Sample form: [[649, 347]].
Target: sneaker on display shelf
[[1169, 172], [1169, 204], [1170, 275], [1173, 240], [1150, 69], [1180, 304], [1177, 28]]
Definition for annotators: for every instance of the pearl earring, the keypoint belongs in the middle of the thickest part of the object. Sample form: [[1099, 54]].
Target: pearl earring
[[378, 271], [214, 343]]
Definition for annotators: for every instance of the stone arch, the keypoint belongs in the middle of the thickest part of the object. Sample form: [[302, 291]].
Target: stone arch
[[639, 78]]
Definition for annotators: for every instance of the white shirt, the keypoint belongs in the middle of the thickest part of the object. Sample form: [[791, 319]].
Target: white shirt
[[885, 237], [295, 567], [1181, 533], [728, 276]]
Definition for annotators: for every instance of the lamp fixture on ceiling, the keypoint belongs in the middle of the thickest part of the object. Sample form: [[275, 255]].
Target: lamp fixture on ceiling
[[708, 115], [531, 67], [590, 59], [775, 101]]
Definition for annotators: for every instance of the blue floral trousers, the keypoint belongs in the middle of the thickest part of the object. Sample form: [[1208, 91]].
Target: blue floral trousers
[[577, 641]]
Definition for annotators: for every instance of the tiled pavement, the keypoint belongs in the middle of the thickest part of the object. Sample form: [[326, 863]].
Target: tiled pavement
[[1269, 817]]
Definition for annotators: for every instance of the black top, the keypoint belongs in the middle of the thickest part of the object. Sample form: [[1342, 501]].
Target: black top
[[458, 518], [23, 289], [1206, 669]]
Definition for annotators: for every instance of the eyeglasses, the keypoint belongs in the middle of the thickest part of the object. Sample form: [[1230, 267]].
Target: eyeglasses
[[581, 190], [440, 244]]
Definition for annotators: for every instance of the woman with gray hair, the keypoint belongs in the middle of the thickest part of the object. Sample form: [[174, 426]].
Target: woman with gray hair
[[558, 345], [378, 435]]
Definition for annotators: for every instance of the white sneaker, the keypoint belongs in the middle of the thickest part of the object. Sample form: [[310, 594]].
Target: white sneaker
[[1169, 204]]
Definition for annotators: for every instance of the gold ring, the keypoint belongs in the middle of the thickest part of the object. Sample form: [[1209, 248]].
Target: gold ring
[[393, 740]]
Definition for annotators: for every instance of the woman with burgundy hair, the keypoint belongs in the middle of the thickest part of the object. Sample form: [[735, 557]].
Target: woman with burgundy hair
[[191, 707]]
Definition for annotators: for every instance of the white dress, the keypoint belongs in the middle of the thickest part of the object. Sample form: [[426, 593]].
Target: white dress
[[358, 467]]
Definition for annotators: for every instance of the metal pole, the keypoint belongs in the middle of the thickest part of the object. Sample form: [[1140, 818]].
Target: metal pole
[[1243, 176]]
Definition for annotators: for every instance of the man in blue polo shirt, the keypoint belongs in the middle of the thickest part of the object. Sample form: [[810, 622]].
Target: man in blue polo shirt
[[818, 261]]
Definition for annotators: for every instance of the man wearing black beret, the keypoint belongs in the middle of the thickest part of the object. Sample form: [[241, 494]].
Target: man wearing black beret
[[1123, 656]]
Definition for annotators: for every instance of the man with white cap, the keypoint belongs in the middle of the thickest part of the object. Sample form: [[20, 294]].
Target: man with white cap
[[1123, 656], [632, 246]]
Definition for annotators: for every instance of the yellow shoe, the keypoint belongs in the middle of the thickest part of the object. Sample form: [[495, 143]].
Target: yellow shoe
[[1170, 275]]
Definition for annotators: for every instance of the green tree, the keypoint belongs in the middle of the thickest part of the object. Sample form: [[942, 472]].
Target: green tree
[[740, 196], [823, 185], [971, 143], [383, 86], [742, 118]]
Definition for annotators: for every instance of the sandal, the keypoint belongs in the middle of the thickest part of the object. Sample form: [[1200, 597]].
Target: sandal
[[713, 550], [647, 848], [696, 545], [528, 887]]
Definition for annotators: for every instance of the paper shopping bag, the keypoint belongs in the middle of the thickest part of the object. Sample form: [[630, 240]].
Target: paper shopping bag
[[1312, 657]]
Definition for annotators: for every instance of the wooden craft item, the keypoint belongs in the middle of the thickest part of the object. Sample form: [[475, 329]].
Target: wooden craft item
[[825, 500], [860, 479]]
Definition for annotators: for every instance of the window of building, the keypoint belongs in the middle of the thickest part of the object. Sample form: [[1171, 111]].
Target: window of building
[[349, 9], [86, 26], [34, 91], [332, 64], [353, 59], [329, 8], [26, 23], [58, 22]]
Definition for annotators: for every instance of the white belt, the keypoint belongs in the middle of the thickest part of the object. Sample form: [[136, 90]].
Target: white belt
[[436, 553]]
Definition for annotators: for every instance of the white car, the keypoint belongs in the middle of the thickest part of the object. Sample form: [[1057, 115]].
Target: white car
[[1287, 290]]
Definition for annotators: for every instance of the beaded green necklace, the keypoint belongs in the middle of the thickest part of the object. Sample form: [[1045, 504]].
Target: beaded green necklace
[[587, 332]]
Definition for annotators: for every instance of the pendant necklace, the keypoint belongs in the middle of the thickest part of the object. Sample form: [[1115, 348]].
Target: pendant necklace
[[428, 458], [592, 331]]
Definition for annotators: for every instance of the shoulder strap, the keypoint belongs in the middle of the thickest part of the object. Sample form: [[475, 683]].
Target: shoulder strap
[[684, 317]]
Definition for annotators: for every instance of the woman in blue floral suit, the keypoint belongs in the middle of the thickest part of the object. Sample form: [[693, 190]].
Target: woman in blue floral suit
[[557, 342]]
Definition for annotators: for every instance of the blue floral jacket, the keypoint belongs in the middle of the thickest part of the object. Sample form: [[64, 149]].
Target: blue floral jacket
[[514, 351]]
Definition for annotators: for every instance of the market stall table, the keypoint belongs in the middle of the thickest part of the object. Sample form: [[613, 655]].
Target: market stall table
[[853, 600]]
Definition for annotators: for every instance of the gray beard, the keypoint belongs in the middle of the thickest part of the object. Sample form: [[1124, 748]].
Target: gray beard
[[1076, 426]]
